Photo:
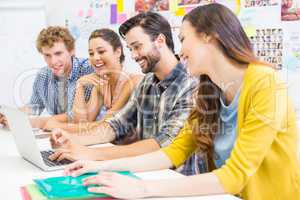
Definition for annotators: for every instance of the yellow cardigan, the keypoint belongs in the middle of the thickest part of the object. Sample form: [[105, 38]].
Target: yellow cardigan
[[263, 164]]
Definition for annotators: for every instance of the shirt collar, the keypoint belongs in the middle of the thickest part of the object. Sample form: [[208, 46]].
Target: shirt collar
[[74, 70], [178, 71]]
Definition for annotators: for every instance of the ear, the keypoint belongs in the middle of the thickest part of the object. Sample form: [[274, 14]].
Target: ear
[[118, 52], [207, 38], [72, 52], [160, 40]]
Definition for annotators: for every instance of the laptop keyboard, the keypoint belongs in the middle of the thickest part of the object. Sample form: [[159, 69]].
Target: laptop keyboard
[[50, 163]]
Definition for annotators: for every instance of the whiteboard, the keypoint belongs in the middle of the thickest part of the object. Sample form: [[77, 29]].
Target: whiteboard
[[20, 22]]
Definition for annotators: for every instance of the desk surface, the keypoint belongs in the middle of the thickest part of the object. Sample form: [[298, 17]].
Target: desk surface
[[16, 172]]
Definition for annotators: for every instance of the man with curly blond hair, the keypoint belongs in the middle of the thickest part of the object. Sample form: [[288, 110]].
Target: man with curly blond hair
[[54, 86]]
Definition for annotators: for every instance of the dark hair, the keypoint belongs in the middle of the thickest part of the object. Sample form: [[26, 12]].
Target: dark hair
[[221, 23], [152, 23], [111, 37]]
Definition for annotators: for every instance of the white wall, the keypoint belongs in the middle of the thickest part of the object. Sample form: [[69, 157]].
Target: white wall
[[20, 23]]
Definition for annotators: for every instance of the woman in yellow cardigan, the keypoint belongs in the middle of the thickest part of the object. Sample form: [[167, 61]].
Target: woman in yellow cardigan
[[255, 158]]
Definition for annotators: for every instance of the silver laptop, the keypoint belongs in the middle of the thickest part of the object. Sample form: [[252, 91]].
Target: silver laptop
[[26, 141]]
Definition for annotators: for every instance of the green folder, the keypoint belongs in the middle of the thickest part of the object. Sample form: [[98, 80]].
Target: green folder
[[68, 187], [35, 193]]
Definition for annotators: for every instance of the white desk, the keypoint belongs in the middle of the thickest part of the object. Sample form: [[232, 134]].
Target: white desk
[[16, 172]]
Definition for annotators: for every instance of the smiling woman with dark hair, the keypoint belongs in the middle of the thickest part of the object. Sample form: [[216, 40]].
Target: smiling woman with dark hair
[[243, 124]]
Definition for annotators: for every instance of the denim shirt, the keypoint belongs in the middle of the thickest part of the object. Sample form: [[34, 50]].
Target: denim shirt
[[45, 94]]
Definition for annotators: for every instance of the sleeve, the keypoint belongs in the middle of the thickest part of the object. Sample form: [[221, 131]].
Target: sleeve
[[265, 116], [177, 116], [181, 147], [36, 102], [125, 121]]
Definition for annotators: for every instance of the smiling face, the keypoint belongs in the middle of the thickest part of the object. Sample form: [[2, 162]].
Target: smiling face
[[102, 56], [58, 58], [197, 49], [143, 49]]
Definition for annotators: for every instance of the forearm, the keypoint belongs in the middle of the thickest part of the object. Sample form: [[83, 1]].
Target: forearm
[[120, 151], [74, 128], [203, 184], [80, 106], [96, 134], [38, 122], [147, 162]]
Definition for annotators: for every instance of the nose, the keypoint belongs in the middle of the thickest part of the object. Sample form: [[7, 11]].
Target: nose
[[53, 61], [97, 56], [134, 55]]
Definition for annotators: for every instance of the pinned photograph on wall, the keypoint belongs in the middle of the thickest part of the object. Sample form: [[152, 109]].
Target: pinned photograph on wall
[[260, 3], [290, 10], [193, 3], [151, 5], [267, 44]]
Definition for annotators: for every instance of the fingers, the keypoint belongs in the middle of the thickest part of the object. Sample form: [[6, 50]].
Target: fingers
[[76, 169], [61, 154], [58, 138], [3, 120], [104, 190], [101, 179]]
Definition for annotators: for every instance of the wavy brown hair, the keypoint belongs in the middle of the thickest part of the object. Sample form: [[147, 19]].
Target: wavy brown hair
[[221, 23]]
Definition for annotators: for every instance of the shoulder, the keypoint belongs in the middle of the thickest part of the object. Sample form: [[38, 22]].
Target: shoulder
[[261, 76], [44, 74], [82, 63]]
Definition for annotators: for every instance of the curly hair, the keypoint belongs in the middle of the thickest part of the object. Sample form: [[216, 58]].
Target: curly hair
[[48, 36]]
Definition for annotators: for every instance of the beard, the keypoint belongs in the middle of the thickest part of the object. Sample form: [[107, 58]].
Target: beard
[[151, 59]]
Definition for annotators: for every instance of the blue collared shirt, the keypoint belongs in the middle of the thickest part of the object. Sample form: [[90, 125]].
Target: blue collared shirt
[[45, 88]]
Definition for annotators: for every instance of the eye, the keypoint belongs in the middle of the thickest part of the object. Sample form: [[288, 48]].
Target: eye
[[137, 47], [181, 39], [91, 54], [101, 52], [58, 53]]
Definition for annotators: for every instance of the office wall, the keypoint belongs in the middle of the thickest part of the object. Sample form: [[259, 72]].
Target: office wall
[[273, 31], [20, 22], [272, 28]]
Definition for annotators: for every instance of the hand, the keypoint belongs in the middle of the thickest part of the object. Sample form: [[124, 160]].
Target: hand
[[84, 166], [116, 185], [3, 121], [72, 151], [59, 138], [92, 79]]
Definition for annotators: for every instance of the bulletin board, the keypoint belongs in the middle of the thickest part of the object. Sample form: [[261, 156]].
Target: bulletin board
[[273, 27]]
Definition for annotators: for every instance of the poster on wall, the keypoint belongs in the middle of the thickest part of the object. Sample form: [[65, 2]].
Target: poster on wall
[[151, 5], [260, 3], [193, 3], [267, 45], [290, 10]]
